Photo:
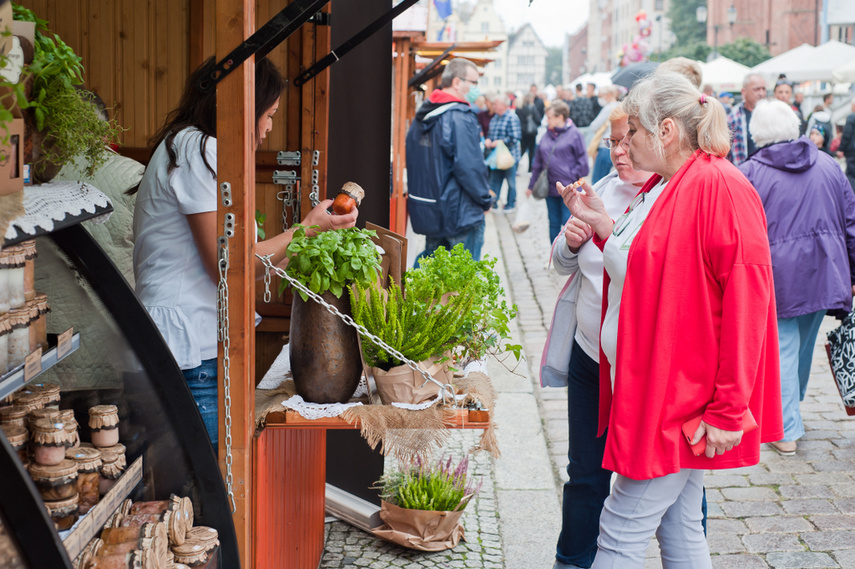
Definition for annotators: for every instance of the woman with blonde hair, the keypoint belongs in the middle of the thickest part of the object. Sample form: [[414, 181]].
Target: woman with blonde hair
[[688, 329]]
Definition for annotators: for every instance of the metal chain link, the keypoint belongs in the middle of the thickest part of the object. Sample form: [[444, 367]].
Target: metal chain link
[[267, 279], [445, 390], [223, 337]]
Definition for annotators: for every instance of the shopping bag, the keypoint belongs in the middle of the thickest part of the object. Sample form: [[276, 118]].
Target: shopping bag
[[504, 158], [540, 189], [841, 358], [524, 214]]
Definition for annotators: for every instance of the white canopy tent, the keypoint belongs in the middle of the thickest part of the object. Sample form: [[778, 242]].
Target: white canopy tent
[[806, 63], [724, 74], [771, 68], [600, 79], [845, 73]]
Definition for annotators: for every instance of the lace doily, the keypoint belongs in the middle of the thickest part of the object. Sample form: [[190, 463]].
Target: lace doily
[[49, 203], [317, 410]]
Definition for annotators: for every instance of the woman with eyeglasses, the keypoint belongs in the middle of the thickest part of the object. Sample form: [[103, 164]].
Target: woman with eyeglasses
[[572, 352], [689, 327], [562, 153]]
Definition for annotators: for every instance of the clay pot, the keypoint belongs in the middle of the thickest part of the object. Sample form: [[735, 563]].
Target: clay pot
[[325, 360]]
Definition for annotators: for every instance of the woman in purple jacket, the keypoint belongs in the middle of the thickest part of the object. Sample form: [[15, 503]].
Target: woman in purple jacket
[[562, 152], [810, 215]]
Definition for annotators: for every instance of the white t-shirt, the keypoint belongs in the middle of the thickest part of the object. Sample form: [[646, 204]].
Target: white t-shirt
[[617, 195], [615, 256], [171, 280]]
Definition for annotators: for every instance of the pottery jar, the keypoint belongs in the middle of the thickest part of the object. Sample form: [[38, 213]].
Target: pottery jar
[[47, 440], [112, 465], [104, 423], [5, 332], [57, 482], [63, 512], [88, 461], [18, 343], [17, 437], [14, 415]]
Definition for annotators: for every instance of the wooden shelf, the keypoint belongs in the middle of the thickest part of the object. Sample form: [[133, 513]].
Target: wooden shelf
[[14, 379], [293, 420], [93, 522]]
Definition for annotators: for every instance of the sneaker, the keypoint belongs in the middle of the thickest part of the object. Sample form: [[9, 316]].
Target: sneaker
[[784, 448]]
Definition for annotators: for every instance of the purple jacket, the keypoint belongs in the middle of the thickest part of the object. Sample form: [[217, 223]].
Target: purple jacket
[[569, 162], [810, 215]]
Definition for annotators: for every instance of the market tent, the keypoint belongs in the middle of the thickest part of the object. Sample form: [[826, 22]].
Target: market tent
[[771, 68], [822, 62], [724, 74], [600, 79], [845, 73]]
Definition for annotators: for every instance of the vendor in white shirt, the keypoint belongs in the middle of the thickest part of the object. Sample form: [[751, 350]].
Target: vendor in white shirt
[[175, 229]]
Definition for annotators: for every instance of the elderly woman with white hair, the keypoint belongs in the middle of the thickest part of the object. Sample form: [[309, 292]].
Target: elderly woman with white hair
[[810, 213], [688, 335]]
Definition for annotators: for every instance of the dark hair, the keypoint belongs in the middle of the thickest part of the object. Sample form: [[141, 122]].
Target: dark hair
[[827, 96], [199, 110]]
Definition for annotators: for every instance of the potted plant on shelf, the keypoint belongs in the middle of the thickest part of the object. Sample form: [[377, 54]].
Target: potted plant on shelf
[[63, 121], [325, 361], [421, 330], [422, 505], [485, 329]]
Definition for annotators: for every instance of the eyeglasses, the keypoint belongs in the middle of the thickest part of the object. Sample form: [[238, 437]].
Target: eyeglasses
[[611, 142], [623, 220], [471, 81]]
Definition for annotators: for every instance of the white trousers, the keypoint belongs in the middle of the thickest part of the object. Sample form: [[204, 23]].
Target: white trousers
[[670, 507]]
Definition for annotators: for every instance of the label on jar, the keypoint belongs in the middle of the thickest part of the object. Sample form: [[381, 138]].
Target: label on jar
[[33, 364], [63, 346]]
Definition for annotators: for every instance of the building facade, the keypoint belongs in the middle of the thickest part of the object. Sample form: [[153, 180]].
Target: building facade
[[526, 60], [612, 25], [575, 55], [780, 25]]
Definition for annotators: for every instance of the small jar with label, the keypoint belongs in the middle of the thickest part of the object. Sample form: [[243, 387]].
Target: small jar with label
[[48, 439], [28, 249], [49, 391], [88, 461], [14, 415], [18, 344], [40, 325], [64, 512], [18, 437], [5, 332], [57, 482], [12, 262], [113, 463], [43, 413], [29, 400], [104, 423]]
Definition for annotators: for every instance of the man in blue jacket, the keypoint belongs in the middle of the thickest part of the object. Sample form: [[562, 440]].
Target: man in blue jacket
[[446, 175]]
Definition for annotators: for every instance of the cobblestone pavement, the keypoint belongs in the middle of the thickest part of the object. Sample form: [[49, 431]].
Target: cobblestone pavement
[[784, 513]]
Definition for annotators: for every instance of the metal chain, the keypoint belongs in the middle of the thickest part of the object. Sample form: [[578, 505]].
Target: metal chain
[[223, 336], [267, 278], [446, 390]]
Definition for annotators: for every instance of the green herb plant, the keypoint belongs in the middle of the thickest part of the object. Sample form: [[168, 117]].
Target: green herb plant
[[72, 125], [485, 329], [260, 218], [331, 260], [440, 486], [420, 331]]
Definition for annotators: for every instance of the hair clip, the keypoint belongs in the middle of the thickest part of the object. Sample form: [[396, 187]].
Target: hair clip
[[702, 99]]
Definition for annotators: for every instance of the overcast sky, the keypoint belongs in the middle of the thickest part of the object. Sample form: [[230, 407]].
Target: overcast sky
[[551, 19]]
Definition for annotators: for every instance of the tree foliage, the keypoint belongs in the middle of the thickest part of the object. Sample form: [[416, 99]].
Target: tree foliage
[[745, 51], [685, 24], [694, 50]]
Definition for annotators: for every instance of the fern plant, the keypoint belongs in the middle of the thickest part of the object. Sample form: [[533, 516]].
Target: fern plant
[[419, 330]]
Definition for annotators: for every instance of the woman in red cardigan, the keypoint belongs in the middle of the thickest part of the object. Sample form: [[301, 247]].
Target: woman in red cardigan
[[689, 325]]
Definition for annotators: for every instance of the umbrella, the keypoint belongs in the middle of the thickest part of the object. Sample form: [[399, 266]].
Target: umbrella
[[627, 76]]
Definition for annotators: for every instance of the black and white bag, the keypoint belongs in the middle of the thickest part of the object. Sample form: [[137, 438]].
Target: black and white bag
[[841, 357]]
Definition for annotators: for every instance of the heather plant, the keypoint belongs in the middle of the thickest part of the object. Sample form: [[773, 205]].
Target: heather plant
[[441, 486]]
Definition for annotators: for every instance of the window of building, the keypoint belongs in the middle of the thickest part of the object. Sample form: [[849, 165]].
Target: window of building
[[497, 81], [525, 78], [658, 5], [526, 60], [485, 26]]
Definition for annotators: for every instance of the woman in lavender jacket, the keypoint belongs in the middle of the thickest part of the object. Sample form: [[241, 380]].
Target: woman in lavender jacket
[[810, 215], [568, 162]]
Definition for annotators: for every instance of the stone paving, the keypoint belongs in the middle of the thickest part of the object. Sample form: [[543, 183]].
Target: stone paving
[[785, 513]]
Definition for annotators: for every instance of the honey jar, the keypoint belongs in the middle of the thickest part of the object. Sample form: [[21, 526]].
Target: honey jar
[[64, 512], [88, 461], [104, 423], [57, 482]]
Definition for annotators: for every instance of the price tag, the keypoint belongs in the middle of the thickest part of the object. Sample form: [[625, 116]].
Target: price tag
[[63, 345], [33, 364]]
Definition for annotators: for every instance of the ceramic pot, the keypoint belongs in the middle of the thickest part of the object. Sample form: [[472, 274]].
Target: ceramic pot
[[325, 360]]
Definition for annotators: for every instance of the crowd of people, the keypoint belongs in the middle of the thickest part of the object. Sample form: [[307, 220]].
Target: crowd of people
[[710, 241]]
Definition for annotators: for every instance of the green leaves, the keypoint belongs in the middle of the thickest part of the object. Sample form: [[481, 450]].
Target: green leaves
[[440, 486], [332, 260]]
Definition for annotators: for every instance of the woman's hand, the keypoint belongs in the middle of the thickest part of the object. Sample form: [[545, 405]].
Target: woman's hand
[[588, 207], [320, 216], [528, 193], [576, 233], [718, 441]]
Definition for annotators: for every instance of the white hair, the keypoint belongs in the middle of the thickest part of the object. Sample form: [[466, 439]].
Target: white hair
[[773, 121], [502, 99]]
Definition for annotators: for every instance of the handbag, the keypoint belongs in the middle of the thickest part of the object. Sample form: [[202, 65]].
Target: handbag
[[841, 357], [540, 189], [504, 158]]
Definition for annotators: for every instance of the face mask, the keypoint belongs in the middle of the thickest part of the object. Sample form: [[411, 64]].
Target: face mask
[[474, 93]]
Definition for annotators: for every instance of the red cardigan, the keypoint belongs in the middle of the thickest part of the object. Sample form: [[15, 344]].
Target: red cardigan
[[697, 327]]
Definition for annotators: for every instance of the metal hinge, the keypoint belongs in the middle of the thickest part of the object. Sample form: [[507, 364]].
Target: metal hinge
[[285, 177], [284, 158]]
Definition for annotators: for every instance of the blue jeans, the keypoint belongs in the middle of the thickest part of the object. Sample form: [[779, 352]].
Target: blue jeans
[[496, 179], [602, 165], [472, 239], [796, 338], [202, 382], [558, 215]]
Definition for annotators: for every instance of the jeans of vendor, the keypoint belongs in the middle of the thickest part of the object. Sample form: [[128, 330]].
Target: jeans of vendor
[[497, 177], [472, 239], [558, 215], [796, 339], [602, 165], [202, 382]]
